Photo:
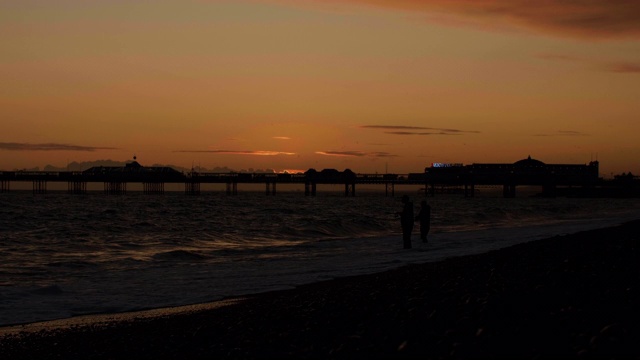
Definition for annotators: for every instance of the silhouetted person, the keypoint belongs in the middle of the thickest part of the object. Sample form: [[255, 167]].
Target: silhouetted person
[[406, 220], [424, 217]]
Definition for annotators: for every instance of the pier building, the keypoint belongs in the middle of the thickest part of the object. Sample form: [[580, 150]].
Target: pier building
[[527, 171]]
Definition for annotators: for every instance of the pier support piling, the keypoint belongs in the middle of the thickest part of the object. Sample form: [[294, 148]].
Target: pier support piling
[[310, 188], [469, 190], [77, 187], [271, 188], [232, 188], [115, 188], [153, 187], [5, 186], [389, 187], [192, 188], [509, 191], [350, 189], [39, 186]]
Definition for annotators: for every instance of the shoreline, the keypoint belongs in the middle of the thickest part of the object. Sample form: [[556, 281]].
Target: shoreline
[[569, 296], [108, 319]]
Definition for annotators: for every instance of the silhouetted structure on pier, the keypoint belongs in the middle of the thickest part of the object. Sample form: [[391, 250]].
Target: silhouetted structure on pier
[[554, 179], [523, 172], [115, 178]]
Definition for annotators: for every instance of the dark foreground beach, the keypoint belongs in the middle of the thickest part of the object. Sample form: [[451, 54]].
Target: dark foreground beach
[[571, 296]]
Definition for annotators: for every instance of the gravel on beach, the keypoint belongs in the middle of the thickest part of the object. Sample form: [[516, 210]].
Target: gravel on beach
[[568, 296]]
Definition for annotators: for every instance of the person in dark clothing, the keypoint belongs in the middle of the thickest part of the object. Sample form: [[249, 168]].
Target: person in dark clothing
[[424, 217], [406, 220]]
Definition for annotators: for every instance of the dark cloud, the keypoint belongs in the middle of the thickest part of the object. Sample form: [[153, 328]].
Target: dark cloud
[[356, 153], [239, 152], [402, 130], [49, 147], [564, 133], [419, 133], [393, 127], [587, 19]]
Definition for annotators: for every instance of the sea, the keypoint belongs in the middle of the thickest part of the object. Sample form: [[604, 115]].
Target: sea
[[64, 255]]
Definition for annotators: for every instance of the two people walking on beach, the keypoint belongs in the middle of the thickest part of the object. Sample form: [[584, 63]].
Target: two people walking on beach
[[407, 219]]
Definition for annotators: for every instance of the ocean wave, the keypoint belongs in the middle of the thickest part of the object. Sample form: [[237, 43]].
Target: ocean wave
[[106, 251], [179, 255]]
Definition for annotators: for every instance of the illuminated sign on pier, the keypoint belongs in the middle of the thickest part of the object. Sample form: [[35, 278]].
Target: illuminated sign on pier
[[444, 165]]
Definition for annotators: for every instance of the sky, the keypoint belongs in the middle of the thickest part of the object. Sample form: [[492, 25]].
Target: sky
[[374, 86]]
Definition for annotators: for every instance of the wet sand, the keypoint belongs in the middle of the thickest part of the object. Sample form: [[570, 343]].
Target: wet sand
[[571, 296]]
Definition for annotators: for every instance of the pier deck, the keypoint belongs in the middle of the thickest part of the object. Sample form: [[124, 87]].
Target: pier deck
[[432, 181]]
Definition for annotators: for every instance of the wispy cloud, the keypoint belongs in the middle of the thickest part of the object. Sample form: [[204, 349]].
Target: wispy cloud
[[420, 133], [564, 133], [239, 152], [356, 153], [560, 57], [393, 127], [405, 130], [49, 147], [588, 19], [611, 66], [623, 67], [282, 138]]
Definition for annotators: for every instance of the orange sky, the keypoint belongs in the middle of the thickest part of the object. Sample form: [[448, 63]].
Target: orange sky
[[370, 85]]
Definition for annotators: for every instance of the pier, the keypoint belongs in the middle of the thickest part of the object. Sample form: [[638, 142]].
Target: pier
[[553, 179]]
